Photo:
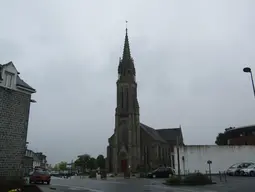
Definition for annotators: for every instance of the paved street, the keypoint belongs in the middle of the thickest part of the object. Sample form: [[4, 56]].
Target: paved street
[[233, 184], [118, 185]]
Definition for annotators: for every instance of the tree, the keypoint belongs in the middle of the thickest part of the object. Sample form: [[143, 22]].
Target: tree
[[56, 168], [100, 161], [62, 165], [82, 162], [221, 139], [91, 163]]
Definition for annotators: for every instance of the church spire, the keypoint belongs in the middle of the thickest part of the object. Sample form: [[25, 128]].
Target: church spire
[[126, 51], [126, 65]]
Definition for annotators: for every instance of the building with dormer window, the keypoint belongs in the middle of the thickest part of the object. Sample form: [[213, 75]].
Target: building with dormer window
[[15, 99]]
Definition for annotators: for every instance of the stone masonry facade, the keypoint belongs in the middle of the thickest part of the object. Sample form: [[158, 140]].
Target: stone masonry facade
[[14, 115], [15, 99]]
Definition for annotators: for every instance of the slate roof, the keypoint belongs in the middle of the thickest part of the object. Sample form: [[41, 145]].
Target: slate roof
[[152, 132], [22, 83], [162, 135], [19, 81], [170, 134]]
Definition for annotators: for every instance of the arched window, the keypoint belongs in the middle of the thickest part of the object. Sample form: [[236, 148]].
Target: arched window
[[122, 97], [127, 98]]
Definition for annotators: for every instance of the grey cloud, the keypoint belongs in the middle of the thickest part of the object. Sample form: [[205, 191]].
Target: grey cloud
[[188, 55]]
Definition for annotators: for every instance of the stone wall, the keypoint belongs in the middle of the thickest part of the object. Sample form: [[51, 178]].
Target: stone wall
[[14, 116]]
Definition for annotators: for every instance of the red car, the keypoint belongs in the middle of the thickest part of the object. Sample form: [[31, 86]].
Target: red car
[[40, 176]]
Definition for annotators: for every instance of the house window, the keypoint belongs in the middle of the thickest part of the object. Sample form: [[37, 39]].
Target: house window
[[157, 152], [9, 77]]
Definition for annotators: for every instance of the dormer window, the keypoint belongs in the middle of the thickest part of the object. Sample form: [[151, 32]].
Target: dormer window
[[9, 78]]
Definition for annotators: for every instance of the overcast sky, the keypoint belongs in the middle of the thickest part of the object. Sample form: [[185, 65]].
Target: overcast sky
[[188, 55]]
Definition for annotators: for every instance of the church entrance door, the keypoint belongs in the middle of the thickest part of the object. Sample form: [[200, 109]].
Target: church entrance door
[[124, 165]]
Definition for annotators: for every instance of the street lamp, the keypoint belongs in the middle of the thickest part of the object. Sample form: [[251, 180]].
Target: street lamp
[[248, 70]]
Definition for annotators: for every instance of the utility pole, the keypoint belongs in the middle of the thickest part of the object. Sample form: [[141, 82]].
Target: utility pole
[[178, 156]]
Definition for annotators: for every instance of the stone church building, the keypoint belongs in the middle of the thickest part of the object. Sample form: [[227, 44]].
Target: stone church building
[[135, 145]]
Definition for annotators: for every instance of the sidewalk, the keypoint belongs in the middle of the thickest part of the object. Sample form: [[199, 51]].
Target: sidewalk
[[46, 188]]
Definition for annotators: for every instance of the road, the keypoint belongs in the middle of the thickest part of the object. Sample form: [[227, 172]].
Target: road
[[114, 185]]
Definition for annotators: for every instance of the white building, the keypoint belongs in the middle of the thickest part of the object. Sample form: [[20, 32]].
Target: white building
[[194, 157], [36, 161]]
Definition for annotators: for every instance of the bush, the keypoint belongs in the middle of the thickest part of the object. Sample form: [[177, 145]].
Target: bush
[[92, 174], [174, 180], [143, 175], [103, 174], [196, 179], [192, 179]]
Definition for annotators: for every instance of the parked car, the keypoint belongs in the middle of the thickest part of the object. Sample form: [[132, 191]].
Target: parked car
[[235, 169], [161, 172], [40, 176], [249, 171]]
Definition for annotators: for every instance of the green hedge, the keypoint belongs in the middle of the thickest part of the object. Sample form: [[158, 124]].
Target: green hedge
[[174, 180], [191, 179], [196, 179], [92, 174]]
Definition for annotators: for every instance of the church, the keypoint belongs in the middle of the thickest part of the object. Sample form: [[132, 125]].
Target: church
[[134, 145]]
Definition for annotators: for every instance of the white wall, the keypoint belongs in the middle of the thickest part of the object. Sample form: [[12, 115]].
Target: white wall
[[222, 157], [36, 164]]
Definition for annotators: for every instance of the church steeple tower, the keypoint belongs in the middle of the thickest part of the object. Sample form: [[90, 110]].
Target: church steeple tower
[[126, 83], [126, 64], [127, 124]]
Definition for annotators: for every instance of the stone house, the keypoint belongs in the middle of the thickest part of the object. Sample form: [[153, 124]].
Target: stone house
[[43, 159], [35, 160], [15, 99], [135, 145]]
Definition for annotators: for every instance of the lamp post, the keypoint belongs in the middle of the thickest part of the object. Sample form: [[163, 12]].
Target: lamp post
[[248, 70]]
